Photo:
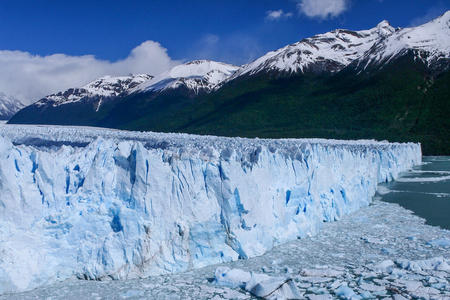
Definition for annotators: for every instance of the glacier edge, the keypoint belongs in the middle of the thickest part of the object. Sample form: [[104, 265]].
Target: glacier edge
[[102, 204]]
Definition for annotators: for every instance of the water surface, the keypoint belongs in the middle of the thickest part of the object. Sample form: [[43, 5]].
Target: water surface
[[425, 190]]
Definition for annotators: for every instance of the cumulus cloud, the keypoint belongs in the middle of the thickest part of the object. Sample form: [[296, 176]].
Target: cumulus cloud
[[322, 9], [274, 15], [31, 77]]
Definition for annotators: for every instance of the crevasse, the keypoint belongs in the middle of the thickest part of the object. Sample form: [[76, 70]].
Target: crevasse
[[127, 205]]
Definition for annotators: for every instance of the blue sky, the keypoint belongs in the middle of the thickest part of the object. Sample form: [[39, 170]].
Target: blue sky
[[118, 36]]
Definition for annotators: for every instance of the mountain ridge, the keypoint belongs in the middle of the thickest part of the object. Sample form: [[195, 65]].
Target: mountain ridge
[[377, 83], [9, 105]]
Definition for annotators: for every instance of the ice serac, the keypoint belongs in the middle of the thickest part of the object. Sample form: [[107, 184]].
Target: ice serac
[[102, 204]]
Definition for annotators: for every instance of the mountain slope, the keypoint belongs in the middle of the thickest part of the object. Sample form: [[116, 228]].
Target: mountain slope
[[199, 75], [97, 91], [9, 106], [78, 106], [401, 102], [429, 42], [92, 104], [329, 52], [382, 83]]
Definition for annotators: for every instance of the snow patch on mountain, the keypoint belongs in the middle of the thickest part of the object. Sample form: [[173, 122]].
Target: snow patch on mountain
[[330, 51], [430, 42], [103, 88], [323, 53], [99, 204], [199, 75], [9, 105]]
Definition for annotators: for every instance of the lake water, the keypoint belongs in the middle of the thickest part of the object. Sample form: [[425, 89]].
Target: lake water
[[425, 190]]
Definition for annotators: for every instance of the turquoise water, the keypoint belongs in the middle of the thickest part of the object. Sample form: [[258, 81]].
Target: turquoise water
[[425, 190]]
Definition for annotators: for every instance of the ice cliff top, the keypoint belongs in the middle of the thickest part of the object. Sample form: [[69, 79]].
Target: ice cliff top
[[210, 146]]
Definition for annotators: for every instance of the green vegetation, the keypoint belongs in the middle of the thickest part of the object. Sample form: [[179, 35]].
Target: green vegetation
[[401, 101]]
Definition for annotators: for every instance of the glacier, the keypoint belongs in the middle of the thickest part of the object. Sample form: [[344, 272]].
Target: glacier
[[102, 204]]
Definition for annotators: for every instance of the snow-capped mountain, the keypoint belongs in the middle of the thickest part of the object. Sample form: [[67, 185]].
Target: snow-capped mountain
[[429, 42], [375, 80], [333, 51], [323, 53], [101, 89], [199, 75], [9, 105], [195, 76], [328, 52]]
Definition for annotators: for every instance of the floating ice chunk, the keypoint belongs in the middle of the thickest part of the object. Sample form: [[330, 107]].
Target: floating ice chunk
[[399, 297], [438, 285], [424, 179], [259, 285], [321, 273], [133, 293], [409, 285], [319, 297], [367, 295], [440, 242], [371, 287], [373, 240], [224, 276], [382, 190], [232, 294], [384, 266], [425, 293], [347, 293], [273, 288], [436, 263], [389, 250], [315, 280]]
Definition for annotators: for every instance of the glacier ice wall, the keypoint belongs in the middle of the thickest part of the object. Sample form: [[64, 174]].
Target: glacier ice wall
[[102, 204]]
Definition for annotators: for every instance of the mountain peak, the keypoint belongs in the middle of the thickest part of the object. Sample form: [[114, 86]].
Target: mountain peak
[[327, 52], [195, 75], [105, 87], [384, 24], [384, 28], [429, 42], [445, 16], [9, 105], [197, 62]]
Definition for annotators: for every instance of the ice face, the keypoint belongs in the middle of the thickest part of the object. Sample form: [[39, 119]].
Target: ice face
[[127, 205]]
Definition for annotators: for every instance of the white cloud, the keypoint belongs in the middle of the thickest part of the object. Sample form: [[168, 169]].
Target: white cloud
[[322, 9], [31, 77], [274, 15]]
